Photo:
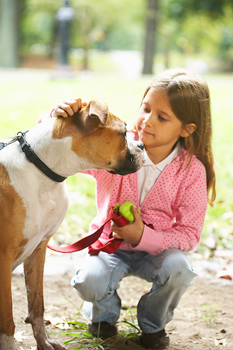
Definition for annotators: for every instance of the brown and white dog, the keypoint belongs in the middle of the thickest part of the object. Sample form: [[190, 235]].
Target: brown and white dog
[[32, 206]]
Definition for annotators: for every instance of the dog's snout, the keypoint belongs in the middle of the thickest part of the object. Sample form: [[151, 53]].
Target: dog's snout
[[141, 146]]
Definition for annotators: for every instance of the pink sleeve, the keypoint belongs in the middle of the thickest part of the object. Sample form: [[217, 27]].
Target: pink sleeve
[[185, 233], [151, 241]]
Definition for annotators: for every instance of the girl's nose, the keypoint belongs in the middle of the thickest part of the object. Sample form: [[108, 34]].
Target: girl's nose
[[148, 120]]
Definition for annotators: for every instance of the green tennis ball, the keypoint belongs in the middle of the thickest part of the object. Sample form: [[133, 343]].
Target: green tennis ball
[[126, 209]]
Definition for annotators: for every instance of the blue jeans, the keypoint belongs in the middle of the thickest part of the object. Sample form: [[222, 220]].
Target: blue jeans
[[97, 281]]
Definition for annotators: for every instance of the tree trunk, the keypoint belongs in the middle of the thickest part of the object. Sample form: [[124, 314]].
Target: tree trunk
[[151, 26], [9, 33]]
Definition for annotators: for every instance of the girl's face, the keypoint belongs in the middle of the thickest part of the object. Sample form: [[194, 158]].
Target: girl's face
[[157, 125]]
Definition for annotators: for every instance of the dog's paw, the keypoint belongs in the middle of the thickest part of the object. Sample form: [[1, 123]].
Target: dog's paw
[[51, 344]]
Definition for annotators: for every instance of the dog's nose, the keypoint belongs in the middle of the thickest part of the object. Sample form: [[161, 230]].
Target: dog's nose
[[141, 146]]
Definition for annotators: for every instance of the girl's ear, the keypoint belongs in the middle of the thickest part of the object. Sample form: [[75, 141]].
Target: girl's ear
[[188, 129]]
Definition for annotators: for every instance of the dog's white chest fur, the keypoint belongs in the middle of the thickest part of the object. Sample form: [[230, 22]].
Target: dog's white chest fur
[[45, 210], [45, 201], [43, 218]]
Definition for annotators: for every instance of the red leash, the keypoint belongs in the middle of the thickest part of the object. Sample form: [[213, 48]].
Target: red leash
[[92, 241]]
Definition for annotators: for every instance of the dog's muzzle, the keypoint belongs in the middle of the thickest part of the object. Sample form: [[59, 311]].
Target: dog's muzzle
[[133, 161]]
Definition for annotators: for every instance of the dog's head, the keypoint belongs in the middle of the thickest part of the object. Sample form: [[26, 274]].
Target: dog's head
[[99, 138]]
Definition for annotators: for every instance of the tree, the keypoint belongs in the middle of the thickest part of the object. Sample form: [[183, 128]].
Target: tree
[[150, 40], [184, 7], [205, 26], [100, 22], [9, 29]]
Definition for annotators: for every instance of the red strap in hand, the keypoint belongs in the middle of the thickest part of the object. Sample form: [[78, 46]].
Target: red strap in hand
[[92, 241]]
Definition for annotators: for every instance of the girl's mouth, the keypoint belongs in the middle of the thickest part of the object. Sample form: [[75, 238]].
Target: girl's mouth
[[146, 132]]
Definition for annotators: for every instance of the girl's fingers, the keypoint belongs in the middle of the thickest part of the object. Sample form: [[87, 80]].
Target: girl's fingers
[[80, 103], [68, 107], [62, 112]]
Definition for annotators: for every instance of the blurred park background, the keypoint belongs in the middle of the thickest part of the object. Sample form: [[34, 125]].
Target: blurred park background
[[109, 50]]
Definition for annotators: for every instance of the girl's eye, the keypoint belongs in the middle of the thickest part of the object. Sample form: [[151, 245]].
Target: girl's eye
[[162, 118], [146, 110]]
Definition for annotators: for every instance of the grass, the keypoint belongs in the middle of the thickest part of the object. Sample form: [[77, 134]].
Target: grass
[[79, 335], [209, 313]]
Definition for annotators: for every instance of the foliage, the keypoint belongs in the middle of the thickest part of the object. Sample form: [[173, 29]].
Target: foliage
[[184, 25], [184, 7], [96, 24], [203, 26], [225, 48]]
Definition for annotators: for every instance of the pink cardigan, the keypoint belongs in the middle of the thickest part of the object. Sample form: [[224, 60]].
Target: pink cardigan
[[175, 206]]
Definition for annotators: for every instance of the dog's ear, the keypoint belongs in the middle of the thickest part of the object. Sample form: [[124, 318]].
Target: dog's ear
[[98, 111], [91, 117]]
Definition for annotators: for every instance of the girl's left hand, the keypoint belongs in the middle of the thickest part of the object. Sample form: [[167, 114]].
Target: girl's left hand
[[131, 233]]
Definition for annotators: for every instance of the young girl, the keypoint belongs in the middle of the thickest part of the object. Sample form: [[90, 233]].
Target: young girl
[[171, 190]]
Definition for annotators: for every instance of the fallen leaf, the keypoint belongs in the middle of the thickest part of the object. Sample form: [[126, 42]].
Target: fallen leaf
[[197, 336], [226, 277], [57, 322]]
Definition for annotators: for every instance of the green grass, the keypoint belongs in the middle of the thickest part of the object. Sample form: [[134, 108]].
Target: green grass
[[78, 334], [26, 94]]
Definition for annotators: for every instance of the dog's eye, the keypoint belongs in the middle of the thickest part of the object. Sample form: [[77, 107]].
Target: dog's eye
[[123, 133]]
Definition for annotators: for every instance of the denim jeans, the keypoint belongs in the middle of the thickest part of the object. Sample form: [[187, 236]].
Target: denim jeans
[[97, 281]]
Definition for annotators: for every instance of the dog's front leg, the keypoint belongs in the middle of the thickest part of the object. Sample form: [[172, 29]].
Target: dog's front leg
[[7, 325], [34, 270]]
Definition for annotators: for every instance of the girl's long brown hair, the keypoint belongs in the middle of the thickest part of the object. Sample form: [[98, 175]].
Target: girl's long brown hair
[[190, 100]]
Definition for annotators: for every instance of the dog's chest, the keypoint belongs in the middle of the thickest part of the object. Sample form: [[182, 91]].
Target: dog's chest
[[45, 210], [42, 221]]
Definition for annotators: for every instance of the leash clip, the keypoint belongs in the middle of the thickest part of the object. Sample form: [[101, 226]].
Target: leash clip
[[25, 146], [12, 140]]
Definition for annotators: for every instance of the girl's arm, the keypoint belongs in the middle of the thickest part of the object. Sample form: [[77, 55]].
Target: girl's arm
[[185, 233]]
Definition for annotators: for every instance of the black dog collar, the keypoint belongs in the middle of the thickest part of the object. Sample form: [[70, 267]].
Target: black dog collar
[[33, 158]]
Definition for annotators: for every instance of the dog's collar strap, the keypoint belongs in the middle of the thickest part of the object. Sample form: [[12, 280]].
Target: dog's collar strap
[[33, 158]]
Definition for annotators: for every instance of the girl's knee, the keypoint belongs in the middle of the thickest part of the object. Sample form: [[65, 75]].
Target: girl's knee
[[177, 268], [89, 285]]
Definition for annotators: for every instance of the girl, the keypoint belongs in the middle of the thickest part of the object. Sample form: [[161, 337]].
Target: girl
[[171, 190]]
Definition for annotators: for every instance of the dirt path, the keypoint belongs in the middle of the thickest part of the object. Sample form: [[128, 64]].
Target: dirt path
[[203, 319]]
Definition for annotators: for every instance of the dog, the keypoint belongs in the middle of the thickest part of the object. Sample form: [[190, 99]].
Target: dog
[[33, 204]]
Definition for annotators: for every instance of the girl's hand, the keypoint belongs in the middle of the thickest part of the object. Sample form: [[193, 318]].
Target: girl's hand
[[67, 108], [131, 233]]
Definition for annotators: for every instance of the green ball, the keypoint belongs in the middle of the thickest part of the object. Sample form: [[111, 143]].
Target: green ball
[[126, 209]]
